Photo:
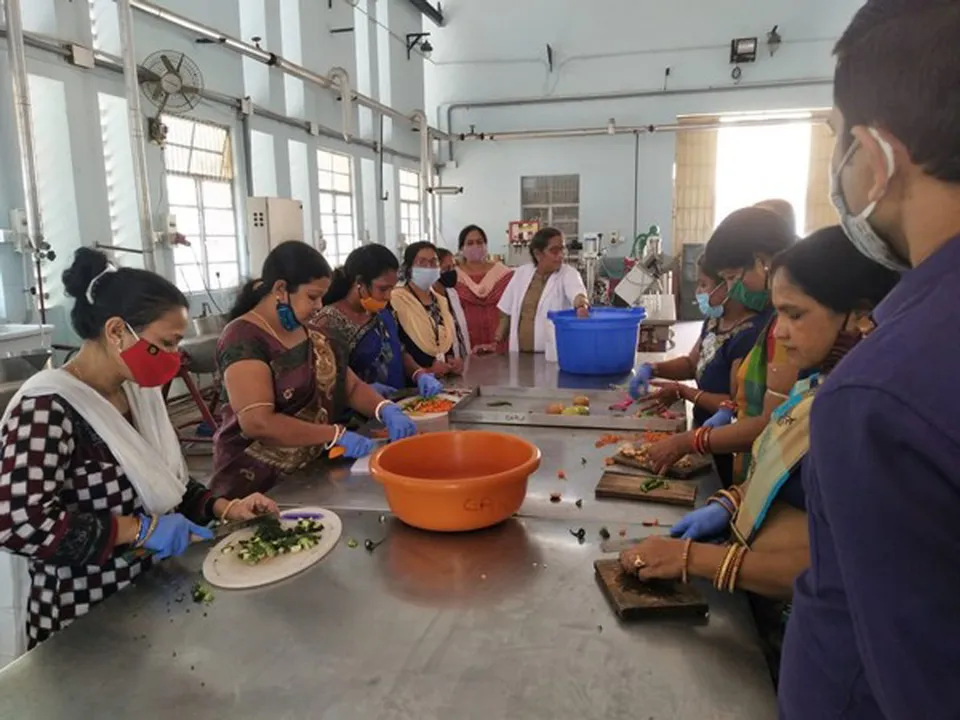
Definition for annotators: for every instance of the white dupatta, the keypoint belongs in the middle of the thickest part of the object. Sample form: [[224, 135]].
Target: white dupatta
[[559, 293], [151, 459]]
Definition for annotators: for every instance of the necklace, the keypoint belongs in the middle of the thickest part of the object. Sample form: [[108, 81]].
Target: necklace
[[262, 321], [118, 399]]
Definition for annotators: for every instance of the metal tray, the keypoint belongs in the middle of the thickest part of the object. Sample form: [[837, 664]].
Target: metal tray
[[527, 406]]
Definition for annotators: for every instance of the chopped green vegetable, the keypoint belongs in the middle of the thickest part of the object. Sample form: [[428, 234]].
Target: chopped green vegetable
[[273, 539], [351, 543], [653, 484], [202, 594], [604, 533], [500, 403]]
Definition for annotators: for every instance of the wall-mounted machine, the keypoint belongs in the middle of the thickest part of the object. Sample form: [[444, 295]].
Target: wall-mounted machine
[[519, 235], [271, 221]]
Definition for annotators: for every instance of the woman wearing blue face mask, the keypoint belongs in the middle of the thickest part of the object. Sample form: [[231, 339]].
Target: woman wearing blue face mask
[[728, 334], [285, 384], [427, 328]]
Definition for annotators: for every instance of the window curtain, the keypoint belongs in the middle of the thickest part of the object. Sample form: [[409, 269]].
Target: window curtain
[[694, 184], [820, 212]]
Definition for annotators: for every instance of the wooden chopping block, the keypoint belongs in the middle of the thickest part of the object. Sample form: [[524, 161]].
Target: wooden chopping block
[[628, 487], [632, 599]]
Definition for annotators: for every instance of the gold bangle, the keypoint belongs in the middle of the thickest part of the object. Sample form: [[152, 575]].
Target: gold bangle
[[735, 569], [254, 406], [154, 519], [719, 581], [686, 560], [696, 398], [227, 509]]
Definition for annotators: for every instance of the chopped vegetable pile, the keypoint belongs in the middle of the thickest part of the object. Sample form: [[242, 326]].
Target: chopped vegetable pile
[[428, 406], [273, 539]]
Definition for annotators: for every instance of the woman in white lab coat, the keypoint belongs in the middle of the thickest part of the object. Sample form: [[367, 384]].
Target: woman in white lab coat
[[546, 285]]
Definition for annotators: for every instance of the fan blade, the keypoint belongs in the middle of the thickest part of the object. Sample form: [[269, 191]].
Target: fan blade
[[180, 64], [147, 75], [163, 105], [188, 90], [168, 64]]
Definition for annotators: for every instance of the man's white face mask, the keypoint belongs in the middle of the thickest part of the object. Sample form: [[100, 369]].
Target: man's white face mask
[[858, 227]]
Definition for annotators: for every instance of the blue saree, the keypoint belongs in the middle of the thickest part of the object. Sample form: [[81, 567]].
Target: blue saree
[[373, 348]]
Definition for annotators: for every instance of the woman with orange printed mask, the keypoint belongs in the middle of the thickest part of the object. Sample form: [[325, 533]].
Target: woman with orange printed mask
[[356, 316]]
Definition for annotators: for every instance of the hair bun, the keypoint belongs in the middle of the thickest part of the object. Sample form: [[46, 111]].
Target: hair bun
[[87, 264]]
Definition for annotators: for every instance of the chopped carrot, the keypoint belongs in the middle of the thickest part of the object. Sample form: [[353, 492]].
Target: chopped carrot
[[561, 474], [609, 461], [428, 406], [336, 452], [623, 532]]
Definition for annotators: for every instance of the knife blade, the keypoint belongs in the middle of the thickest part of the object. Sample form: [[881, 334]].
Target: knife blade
[[617, 546], [229, 528]]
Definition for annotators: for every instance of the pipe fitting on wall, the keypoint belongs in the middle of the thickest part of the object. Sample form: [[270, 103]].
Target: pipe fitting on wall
[[341, 81]]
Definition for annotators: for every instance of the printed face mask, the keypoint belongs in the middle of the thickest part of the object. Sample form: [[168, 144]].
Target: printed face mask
[[149, 365], [858, 227]]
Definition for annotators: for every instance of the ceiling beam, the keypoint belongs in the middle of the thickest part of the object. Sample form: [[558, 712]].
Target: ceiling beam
[[434, 13]]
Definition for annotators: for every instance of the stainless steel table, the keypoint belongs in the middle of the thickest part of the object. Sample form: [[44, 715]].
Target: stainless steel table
[[504, 623]]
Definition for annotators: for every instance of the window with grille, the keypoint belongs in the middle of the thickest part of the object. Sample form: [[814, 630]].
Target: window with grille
[[199, 183], [554, 200], [335, 183], [411, 224]]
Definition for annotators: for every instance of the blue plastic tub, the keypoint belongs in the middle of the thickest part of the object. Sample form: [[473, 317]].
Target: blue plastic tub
[[603, 344]]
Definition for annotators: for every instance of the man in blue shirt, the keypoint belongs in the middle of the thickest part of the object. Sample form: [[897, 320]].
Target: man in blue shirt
[[875, 628]]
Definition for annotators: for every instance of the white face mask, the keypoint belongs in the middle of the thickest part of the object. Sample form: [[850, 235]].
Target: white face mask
[[858, 227]]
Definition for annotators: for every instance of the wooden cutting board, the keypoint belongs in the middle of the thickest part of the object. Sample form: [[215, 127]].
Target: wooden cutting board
[[698, 464], [627, 487], [632, 599], [227, 571]]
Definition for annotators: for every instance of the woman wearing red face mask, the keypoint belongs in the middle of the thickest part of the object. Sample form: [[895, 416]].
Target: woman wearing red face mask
[[93, 487]]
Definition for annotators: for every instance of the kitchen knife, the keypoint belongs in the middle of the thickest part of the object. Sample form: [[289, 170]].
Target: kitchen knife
[[226, 529]]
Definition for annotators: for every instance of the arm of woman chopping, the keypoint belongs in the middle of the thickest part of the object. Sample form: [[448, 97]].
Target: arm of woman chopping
[[734, 438], [779, 553], [35, 522], [365, 400], [249, 386]]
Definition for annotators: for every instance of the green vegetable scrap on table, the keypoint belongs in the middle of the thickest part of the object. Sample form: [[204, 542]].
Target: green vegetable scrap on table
[[351, 543], [273, 539], [201, 593], [500, 403]]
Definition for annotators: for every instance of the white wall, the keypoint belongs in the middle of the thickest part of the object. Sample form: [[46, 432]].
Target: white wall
[[496, 50], [67, 104]]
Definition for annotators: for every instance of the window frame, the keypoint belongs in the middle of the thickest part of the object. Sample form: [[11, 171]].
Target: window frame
[[200, 249], [333, 251], [412, 207]]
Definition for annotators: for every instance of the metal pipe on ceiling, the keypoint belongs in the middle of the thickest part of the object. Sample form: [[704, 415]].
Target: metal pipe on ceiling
[[138, 141], [112, 63], [624, 95], [636, 130], [271, 59], [26, 142]]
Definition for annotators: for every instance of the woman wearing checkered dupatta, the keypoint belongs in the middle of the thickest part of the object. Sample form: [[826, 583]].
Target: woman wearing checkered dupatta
[[93, 486]]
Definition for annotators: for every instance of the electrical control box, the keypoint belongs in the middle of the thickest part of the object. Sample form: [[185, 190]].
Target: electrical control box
[[271, 221]]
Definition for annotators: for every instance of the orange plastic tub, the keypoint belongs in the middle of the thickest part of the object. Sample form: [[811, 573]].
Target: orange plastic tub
[[456, 481]]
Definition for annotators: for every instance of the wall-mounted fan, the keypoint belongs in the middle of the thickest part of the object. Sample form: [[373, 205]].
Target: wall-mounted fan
[[173, 83]]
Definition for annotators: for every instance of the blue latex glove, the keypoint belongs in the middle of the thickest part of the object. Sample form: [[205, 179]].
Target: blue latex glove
[[382, 390], [397, 423], [723, 416], [172, 535], [356, 446], [702, 524], [428, 385], [641, 379]]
